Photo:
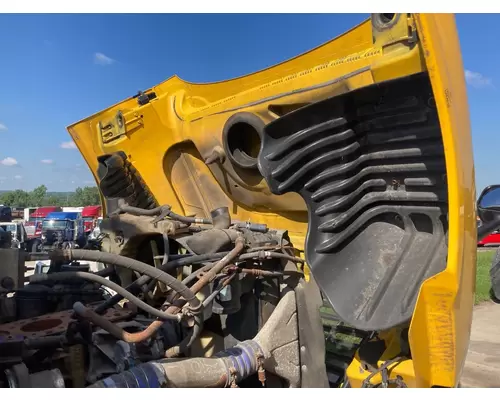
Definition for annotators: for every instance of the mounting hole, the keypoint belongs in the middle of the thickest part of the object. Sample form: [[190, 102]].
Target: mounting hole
[[41, 325], [384, 20], [242, 137], [387, 18]]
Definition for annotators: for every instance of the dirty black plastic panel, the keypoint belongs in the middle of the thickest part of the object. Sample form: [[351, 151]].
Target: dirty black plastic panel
[[120, 180], [370, 166]]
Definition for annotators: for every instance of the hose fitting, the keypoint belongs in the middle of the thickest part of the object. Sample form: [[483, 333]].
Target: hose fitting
[[226, 368]]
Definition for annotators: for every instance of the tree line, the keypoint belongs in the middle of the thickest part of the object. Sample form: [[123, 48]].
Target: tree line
[[39, 197]]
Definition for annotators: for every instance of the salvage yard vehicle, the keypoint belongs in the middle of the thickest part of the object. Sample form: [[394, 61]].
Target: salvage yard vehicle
[[19, 237], [62, 230], [234, 211], [5, 214], [34, 224], [489, 213], [493, 239], [90, 216]]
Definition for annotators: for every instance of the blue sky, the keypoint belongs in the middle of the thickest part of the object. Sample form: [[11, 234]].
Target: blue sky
[[57, 69]]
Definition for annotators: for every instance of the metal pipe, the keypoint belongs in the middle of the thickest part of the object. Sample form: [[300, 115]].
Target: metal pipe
[[135, 287], [64, 276], [135, 265], [155, 325], [239, 245], [261, 255], [228, 367]]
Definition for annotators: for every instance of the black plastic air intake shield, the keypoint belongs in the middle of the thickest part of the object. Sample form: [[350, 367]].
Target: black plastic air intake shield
[[120, 180], [370, 166]]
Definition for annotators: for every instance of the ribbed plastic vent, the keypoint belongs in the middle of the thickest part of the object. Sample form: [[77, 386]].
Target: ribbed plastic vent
[[120, 180], [370, 166]]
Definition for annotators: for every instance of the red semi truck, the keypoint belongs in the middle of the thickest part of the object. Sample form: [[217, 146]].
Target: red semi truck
[[90, 214]]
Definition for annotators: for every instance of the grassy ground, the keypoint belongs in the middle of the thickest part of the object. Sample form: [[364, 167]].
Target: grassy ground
[[483, 284]]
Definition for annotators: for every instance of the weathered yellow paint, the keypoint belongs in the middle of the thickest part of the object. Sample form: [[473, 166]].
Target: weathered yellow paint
[[181, 127], [403, 368], [168, 140], [440, 329]]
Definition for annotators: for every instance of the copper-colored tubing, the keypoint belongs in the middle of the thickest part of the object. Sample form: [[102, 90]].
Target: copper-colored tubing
[[119, 333]]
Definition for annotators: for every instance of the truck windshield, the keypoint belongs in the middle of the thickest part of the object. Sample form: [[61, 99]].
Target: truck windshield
[[53, 224], [8, 228]]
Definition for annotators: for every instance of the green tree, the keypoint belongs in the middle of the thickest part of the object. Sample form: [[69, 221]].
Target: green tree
[[87, 196], [16, 198], [52, 201], [37, 196]]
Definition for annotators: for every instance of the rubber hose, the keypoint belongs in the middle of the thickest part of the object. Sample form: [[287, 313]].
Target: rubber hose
[[135, 265], [188, 341], [239, 244], [142, 211], [135, 287], [224, 369], [64, 276], [105, 272], [270, 254], [212, 296], [188, 220], [196, 259], [155, 325], [166, 248], [163, 209]]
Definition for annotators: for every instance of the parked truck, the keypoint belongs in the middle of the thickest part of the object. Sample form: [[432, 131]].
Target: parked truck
[[72, 209], [27, 212], [62, 230], [5, 214], [17, 213], [90, 215], [19, 239], [33, 226]]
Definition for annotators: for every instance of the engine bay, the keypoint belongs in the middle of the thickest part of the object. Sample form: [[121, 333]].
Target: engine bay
[[222, 294]]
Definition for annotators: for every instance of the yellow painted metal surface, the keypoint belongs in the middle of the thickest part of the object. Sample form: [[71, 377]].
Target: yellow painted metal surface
[[440, 329], [358, 371], [169, 139]]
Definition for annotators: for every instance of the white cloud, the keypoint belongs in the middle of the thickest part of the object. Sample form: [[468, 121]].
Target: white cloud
[[477, 80], [18, 177], [47, 161], [68, 145], [9, 162], [102, 59], [3, 127]]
